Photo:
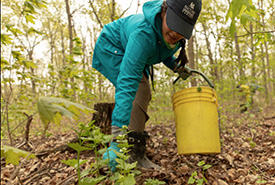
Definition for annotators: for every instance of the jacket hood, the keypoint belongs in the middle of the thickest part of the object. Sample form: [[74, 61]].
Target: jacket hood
[[151, 11]]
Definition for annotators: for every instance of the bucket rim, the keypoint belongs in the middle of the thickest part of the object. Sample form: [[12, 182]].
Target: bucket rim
[[191, 90]]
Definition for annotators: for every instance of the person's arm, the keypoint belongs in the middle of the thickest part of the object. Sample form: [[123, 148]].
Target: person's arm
[[136, 54], [169, 62]]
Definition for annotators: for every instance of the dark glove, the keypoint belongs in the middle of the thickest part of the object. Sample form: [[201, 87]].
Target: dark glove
[[184, 72]]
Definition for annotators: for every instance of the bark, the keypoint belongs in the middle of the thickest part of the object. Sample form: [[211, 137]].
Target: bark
[[269, 88], [253, 52], [103, 116], [264, 74], [62, 44], [27, 131], [238, 51], [266, 54], [70, 28], [52, 37], [96, 15], [113, 10], [214, 71]]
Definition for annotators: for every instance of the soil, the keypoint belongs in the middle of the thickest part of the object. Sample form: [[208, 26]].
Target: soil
[[247, 156]]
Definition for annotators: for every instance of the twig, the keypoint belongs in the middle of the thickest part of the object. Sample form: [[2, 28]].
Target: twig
[[17, 169], [67, 179], [252, 33], [21, 123], [269, 118], [262, 173], [38, 175], [27, 131], [98, 20]]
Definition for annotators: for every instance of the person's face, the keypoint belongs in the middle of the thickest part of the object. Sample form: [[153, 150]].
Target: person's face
[[170, 36]]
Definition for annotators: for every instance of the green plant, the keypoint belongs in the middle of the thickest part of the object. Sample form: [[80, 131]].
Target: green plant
[[195, 178], [252, 144], [261, 180], [13, 155], [52, 109], [126, 171], [90, 138], [153, 182], [272, 133]]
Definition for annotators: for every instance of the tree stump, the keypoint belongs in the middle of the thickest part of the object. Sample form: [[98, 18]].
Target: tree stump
[[103, 116]]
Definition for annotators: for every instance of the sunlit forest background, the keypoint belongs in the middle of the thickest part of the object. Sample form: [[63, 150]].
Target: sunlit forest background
[[47, 48]]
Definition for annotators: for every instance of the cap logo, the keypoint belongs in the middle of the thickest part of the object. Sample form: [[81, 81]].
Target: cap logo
[[189, 10], [192, 5]]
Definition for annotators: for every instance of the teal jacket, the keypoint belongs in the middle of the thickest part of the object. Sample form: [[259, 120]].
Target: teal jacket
[[127, 47]]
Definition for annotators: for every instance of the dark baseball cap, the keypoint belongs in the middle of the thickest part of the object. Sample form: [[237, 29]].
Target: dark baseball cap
[[182, 15]]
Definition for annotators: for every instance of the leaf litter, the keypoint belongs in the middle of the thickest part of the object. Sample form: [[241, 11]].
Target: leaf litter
[[247, 157]]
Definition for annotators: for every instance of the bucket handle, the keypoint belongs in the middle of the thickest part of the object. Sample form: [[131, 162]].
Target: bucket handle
[[201, 74]]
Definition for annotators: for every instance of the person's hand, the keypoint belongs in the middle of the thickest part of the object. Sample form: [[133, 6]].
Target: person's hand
[[111, 155], [184, 72]]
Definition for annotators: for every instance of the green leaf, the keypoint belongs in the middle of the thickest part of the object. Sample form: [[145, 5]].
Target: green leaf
[[232, 29], [57, 118], [92, 181], [200, 181], [13, 30], [29, 64], [13, 155], [73, 162], [48, 108], [29, 7], [201, 163], [191, 180], [194, 174], [207, 166], [153, 182], [30, 18], [5, 39], [245, 17], [32, 30], [108, 138], [126, 166], [4, 62], [121, 155], [77, 147], [85, 173], [128, 180], [77, 50]]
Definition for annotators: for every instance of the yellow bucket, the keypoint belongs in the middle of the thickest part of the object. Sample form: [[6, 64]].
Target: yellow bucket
[[197, 127]]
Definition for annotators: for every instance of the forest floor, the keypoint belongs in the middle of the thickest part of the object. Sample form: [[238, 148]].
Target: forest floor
[[247, 156]]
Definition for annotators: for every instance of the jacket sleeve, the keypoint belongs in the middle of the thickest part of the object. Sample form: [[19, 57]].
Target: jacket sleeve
[[137, 51], [169, 62]]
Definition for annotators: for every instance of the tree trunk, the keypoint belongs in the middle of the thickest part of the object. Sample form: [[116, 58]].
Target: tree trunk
[[214, 72], [30, 53], [264, 74], [253, 53], [70, 28], [241, 70], [269, 88], [103, 117], [113, 10]]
